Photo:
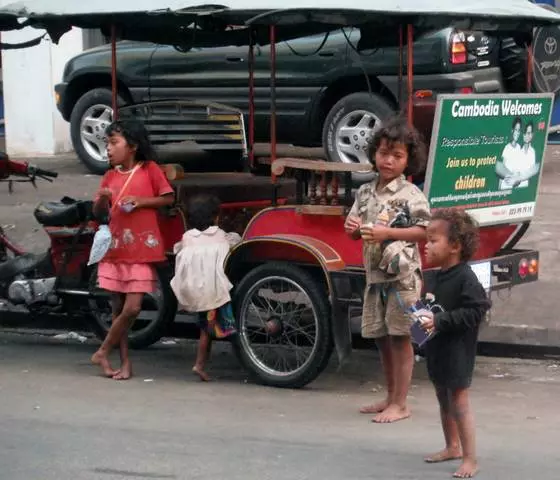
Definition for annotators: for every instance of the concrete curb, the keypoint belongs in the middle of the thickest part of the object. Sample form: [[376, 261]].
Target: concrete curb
[[527, 335]]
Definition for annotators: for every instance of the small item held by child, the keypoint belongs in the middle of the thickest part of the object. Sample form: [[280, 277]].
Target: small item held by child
[[200, 283], [390, 215], [451, 352], [130, 194]]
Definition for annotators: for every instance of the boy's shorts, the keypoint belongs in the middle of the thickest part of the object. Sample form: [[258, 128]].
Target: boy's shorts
[[385, 305]]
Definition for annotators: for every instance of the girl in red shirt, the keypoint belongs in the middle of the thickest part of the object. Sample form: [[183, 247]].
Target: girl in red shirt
[[131, 192]]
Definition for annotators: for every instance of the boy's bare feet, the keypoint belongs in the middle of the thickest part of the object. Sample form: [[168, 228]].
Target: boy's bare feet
[[445, 455], [99, 358], [201, 373], [375, 407], [124, 373], [468, 469], [393, 413]]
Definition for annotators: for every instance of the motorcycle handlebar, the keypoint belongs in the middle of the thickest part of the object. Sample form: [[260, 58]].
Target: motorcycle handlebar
[[40, 172], [11, 167]]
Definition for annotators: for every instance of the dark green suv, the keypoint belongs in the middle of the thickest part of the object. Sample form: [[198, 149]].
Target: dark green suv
[[331, 90]]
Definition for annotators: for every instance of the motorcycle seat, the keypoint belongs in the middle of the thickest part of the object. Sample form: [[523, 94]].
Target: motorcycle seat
[[22, 264], [66, 213]]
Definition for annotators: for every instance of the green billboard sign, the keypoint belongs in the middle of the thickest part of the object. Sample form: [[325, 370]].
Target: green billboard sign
[[486, 154]]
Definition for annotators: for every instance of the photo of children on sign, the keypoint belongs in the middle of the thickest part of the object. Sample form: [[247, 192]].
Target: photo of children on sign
[[518, 163], [486, 154]]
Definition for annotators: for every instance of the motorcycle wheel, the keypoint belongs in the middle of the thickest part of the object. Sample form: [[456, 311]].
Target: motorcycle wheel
[[158, 311]]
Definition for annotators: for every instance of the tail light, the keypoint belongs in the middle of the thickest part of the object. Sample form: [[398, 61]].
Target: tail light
[[458, 49], [466, 90], [528, 267]]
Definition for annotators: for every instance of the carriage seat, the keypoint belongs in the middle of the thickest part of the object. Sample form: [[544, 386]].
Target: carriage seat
[[233, 187], [65, 213]]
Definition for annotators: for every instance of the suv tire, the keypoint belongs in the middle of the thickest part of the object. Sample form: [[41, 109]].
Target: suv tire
[[349, 126], [88, 137]]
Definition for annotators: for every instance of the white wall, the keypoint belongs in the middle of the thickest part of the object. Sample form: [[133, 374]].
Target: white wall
[[34, 127]]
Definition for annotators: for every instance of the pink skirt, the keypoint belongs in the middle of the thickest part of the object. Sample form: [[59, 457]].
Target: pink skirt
[[127, 277]]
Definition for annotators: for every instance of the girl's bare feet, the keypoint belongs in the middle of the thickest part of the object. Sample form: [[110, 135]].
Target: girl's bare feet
[[375, 407], [393, 413], [447, 454], [124, 373], [201, 373], [99, 358], [468, 469]]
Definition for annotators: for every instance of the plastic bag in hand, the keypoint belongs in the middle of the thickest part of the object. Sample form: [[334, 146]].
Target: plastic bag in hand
[[101, 244]]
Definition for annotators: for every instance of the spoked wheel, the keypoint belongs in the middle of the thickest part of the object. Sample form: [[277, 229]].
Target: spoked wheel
[[158, 312], [283, 317]]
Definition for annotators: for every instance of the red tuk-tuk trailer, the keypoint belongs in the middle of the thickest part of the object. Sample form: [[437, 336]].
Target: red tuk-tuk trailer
[[298, 278]]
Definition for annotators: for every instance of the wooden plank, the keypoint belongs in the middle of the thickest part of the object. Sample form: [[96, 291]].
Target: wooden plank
[[333, 210], [281, 164]]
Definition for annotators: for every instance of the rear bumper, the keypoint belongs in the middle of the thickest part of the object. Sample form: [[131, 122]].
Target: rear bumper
[[508, 270], [501, 272], [486, 80]]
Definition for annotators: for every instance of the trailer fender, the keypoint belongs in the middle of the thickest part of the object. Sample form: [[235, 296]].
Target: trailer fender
[[299, 250]]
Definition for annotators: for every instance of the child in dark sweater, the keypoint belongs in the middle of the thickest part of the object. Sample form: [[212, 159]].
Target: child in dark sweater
[[450, 353]]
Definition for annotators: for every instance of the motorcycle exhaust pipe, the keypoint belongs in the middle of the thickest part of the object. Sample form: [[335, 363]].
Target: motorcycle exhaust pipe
[[81, 293]]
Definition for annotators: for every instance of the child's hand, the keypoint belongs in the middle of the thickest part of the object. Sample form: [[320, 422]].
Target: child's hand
[[105, 193], [135, 202], [375, 233], [352, 224], [427, 319]]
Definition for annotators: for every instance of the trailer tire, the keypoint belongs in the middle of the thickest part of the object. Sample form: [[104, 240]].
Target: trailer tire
[[163, 299], [280, 329]]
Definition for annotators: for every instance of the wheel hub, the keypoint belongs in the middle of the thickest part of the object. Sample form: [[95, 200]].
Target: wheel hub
[[274, 327], [354, 135], [94, 122]]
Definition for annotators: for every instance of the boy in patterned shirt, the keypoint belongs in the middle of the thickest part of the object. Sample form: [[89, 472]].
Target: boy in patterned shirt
[[390, 215]]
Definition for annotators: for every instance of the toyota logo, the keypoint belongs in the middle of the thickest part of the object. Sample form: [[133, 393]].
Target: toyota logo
[[550, 46]]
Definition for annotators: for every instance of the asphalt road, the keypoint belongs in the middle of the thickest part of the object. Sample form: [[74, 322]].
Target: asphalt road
[[60, 421]]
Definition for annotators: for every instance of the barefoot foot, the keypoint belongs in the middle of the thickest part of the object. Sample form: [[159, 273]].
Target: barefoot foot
[[393, 413], [124, 373], [453, 453], [201, 373], [375, 407], [100, 359], [468, 469]]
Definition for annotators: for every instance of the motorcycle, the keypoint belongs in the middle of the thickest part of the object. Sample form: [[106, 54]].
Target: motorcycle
[[59, 280]]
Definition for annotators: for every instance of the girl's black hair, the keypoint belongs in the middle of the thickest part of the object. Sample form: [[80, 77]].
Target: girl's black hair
[[135, 135], [397, 130], [516, 120], [202, 211], [462, 228]]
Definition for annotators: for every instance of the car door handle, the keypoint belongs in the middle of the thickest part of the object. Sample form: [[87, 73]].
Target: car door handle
[[234, 59], [326, 54]]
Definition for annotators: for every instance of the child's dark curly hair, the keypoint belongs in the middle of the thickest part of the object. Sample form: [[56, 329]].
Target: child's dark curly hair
[[461, 229], [397, 130], [135, 135], [202, 211]]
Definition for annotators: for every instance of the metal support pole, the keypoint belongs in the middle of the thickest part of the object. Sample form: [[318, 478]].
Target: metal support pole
[[272, 93], [252, 98], [529, 68], [410, 73], [401, 46], [114, 84]]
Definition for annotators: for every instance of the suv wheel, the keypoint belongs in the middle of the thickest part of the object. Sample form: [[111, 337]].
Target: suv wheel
[[349, 129], [91, 115]]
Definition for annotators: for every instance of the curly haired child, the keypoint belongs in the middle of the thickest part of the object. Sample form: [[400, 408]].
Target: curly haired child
[[450, 354], [391, 256]]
